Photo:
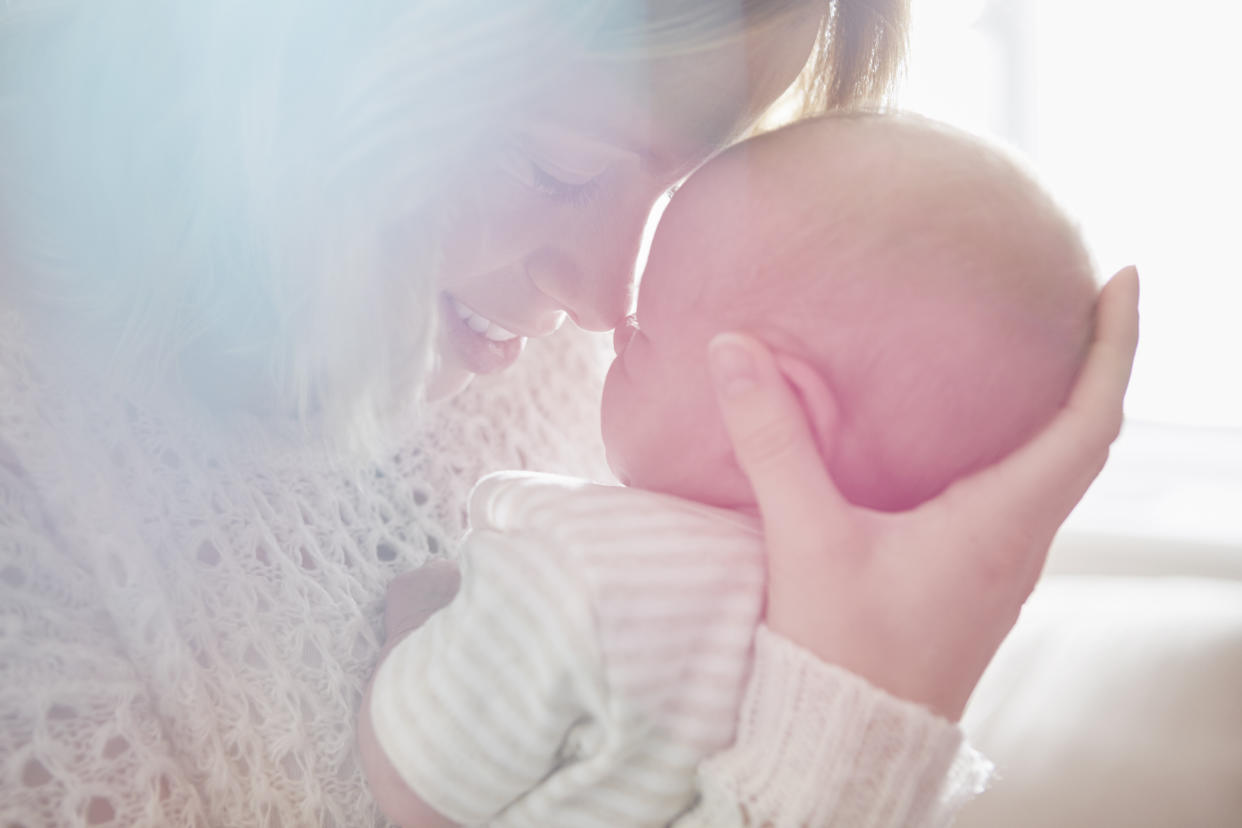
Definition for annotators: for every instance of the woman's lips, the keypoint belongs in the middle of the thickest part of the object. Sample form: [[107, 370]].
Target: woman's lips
[[477, 353], [482, 325]]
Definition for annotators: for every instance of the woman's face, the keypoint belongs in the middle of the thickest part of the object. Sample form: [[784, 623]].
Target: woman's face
[[557, 207]]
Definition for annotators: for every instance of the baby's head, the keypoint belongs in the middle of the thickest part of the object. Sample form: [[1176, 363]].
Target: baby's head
[[942, 298]]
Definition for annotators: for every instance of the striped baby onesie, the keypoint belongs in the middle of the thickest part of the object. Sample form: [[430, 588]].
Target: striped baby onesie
[[597, 652]]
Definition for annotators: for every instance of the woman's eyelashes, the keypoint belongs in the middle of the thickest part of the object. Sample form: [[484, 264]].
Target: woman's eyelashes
[[577, 189], [578, 194]]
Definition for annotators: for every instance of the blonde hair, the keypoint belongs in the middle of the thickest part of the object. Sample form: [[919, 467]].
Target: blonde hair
[[213, 186]]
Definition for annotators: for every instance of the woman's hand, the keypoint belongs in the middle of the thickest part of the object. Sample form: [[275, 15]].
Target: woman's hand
[[917, 602]]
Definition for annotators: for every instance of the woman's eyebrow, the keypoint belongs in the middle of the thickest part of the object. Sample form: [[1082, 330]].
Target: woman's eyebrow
[[578, 137], [652, 160]]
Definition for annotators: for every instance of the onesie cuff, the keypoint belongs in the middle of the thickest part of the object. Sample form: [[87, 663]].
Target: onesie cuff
[[818, 745]]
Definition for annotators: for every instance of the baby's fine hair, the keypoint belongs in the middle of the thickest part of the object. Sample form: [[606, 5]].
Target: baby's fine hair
[[939, 289]]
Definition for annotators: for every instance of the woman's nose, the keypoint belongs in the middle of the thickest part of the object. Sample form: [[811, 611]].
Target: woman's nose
[[589, 270], [595, 292]]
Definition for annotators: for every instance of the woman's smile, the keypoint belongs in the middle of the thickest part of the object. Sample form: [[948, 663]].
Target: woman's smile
[[482, 325], [484, 346], [478, 353]]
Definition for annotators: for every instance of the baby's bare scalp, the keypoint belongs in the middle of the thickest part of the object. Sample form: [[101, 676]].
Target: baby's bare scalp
[[930, 278]]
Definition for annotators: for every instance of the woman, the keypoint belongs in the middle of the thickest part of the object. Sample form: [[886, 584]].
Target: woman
[[241, 246]]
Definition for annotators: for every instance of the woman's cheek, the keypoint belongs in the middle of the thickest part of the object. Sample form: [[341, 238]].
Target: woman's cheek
[[490, 226]]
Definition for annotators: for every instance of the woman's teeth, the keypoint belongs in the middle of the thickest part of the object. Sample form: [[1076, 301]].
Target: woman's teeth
[[482, 326]]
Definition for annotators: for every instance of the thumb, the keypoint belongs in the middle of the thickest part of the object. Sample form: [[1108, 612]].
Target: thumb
[[803, 512]]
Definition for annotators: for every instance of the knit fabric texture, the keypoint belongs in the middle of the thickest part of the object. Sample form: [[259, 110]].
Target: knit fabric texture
[[189, 608], [850, 755]]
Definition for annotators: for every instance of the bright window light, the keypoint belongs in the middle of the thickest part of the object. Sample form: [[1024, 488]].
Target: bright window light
[[1128, 111]]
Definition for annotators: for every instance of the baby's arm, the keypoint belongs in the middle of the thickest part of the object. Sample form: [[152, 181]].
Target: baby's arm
[[466, 715], [394, 797], [412, 599]]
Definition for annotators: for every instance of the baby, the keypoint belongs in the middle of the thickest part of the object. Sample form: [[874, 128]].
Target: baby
[[606, 645]]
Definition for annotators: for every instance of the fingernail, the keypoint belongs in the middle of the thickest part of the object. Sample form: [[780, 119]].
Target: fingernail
[[732, 366]]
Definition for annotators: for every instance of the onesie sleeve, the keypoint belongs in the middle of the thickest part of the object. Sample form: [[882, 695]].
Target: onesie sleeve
[[818, 745], [473, 708]]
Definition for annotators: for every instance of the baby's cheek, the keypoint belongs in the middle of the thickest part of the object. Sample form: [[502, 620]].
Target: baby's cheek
[[719, 480], [686, 452], [615, 422]]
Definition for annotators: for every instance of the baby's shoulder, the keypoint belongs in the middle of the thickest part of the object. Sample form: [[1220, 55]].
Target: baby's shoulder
[[507, 499], [514, 501], [605, 533]]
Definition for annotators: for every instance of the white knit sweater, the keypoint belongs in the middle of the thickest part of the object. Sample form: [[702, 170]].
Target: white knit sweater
[[190, 608]]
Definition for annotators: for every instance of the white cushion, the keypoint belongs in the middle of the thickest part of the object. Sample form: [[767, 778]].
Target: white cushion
[[1115, 701]]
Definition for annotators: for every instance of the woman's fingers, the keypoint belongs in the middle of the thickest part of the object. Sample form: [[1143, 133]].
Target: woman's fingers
[[1037, 486], [1106, 373], [802, 509]]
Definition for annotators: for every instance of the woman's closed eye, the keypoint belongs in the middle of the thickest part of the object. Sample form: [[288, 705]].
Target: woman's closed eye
[[577, 194], [562, 185]]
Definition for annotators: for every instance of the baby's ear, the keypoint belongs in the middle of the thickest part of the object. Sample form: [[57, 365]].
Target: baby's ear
[[819, 403]]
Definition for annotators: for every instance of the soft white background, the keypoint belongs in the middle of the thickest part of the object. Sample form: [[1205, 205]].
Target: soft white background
[[1114, 700], [1128, 111]]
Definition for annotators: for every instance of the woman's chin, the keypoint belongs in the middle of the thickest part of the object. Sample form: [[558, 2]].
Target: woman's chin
[[447, 381]]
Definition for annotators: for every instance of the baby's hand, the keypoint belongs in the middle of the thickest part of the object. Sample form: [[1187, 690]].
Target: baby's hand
[[412, 599], [916, 602], [416, 596]]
